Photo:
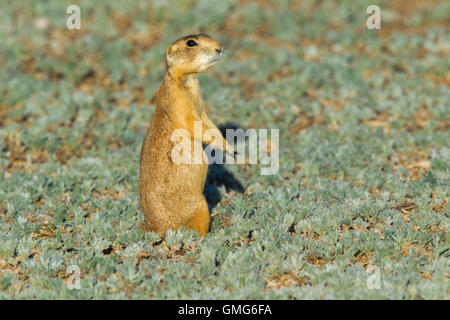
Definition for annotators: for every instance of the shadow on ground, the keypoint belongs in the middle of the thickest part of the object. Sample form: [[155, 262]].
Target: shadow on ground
[[219, 175]]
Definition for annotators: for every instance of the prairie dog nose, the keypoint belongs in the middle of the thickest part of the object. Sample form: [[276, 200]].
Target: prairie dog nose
[[220, 50]]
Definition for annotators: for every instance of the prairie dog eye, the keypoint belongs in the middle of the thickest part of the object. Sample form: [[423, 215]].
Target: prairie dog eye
[[191, 43]]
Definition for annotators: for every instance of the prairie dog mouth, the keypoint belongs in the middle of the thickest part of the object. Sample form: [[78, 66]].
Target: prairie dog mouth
[[216, 57], [208, 61]]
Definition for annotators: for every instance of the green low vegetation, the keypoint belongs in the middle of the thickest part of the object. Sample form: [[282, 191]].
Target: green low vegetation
[[363, 184]]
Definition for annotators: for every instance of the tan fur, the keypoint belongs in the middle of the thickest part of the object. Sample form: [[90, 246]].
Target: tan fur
[[172, 194]]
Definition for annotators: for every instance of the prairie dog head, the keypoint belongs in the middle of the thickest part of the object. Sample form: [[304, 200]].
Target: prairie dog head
[[193, 54]]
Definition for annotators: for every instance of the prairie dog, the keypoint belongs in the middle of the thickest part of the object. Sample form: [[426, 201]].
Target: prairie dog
[[172, 194]]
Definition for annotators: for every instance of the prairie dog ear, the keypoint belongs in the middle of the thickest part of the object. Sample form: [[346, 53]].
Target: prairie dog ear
[[169, 59], [168, 50]]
